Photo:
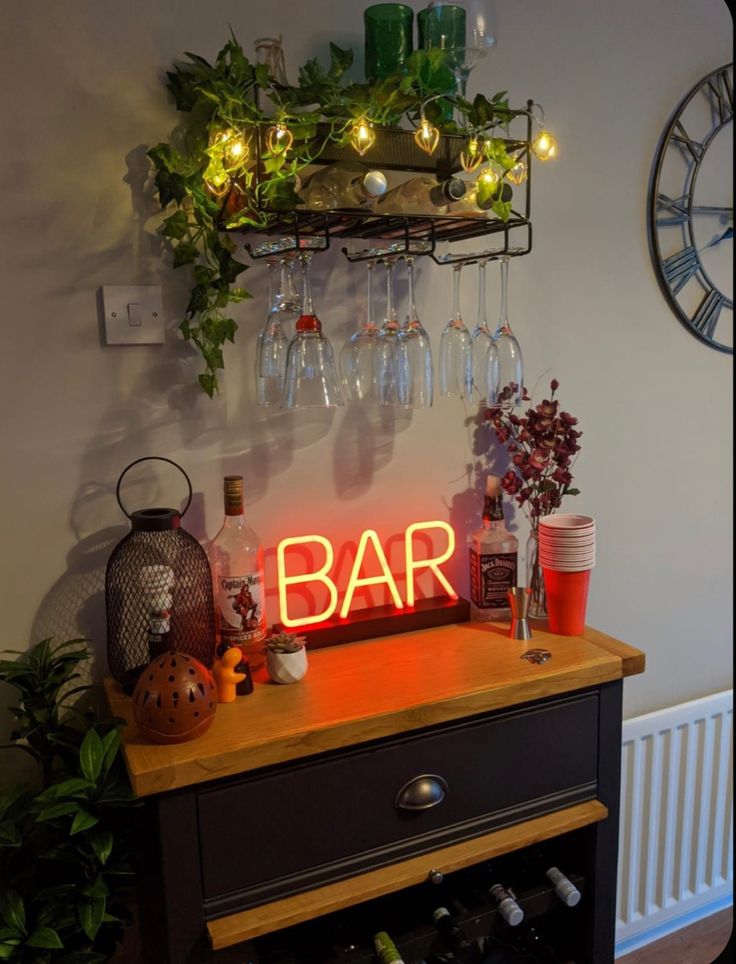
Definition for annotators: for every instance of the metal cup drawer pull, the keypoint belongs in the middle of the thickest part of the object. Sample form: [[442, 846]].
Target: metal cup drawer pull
[[421, 793]]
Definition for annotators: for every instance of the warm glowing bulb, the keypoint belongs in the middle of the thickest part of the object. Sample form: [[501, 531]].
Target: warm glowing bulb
[[518, 173], [427, 136], [279, 139], [545, 146], [362, 136], [471, 158], [216, 179], [487, 178]]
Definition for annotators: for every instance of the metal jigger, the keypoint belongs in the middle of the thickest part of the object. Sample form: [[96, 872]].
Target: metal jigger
[[519, 599]]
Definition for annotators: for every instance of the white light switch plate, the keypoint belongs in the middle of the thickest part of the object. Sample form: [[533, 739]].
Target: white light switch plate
[[133, 314]]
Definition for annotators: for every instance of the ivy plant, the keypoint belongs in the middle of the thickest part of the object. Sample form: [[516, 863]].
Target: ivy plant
[[65, 871], [202, 194]]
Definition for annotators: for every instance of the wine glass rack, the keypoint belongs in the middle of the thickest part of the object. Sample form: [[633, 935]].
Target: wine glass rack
[[413, 235]]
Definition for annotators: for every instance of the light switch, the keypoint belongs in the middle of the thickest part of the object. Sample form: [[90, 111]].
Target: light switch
[[133, 314]]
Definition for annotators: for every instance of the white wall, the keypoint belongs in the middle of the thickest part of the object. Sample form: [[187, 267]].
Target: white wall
[[82, 100]]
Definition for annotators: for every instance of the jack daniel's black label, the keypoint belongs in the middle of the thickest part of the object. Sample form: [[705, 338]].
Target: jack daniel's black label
[[491, 576]]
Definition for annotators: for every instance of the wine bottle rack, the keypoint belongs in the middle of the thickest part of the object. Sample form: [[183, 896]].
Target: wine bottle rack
[[407, 916], [399, 234]]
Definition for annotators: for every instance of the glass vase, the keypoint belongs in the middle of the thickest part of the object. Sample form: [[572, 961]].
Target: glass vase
[[535, 578]]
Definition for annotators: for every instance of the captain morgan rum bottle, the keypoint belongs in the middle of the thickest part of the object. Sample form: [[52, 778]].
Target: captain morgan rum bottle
[[236, 561]]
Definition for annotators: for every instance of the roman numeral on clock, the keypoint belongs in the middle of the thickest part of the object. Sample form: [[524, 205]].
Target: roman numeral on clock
[[719, 87], [681, 136], [679, 268], [675, 208], [705, 318]]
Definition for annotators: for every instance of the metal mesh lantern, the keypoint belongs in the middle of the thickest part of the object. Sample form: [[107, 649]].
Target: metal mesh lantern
[[158, 591]]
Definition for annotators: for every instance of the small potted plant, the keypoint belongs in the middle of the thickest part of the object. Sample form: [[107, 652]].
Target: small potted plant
[[286, 657]]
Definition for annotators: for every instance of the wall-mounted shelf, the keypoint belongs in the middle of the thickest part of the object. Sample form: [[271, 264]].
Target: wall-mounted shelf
[[399, 234]]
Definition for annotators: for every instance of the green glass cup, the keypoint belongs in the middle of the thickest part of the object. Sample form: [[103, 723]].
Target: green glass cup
[[388, 39], [441, 26]]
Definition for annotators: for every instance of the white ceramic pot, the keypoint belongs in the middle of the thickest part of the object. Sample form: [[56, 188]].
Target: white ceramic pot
[[286, 667]]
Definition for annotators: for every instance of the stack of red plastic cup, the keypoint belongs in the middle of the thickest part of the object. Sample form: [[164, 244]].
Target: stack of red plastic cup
[[566, 554]]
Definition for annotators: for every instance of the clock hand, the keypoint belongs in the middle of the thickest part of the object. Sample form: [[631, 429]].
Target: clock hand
[[726, 236]]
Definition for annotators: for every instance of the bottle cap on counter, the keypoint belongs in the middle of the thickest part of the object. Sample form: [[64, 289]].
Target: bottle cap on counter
[[493, 485], [455, 188]]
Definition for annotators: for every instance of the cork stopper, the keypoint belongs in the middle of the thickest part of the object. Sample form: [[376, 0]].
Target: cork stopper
[[493, 485], [233, 489]]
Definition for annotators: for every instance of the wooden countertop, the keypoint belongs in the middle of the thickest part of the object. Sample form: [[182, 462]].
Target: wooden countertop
[[365, 690]]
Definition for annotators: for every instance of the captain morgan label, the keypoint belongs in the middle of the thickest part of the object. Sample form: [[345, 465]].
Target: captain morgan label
[[240, 612]]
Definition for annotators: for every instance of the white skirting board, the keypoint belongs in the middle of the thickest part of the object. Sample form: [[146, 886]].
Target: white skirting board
[[676, 839]]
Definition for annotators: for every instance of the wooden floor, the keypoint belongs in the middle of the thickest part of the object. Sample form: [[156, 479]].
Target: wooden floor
[[700, 943]]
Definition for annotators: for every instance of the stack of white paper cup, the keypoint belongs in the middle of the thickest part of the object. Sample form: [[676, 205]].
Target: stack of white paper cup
[[567, 542]]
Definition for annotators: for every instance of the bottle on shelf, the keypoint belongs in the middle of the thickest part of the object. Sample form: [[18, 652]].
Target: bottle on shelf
[[421, 195], [463, 948], [506, 904], [471, 204], [493, 559], [236, 561], [536, 868], [348, 184], [386, 950]]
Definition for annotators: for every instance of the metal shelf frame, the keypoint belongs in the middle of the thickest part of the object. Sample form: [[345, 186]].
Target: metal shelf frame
[[399, 234]]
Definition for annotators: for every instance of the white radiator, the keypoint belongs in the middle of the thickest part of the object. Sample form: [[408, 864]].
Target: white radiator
[[676, 841]]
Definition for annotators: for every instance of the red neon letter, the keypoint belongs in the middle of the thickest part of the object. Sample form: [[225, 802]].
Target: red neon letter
[[433, 564], [355, 580], [320, 575]]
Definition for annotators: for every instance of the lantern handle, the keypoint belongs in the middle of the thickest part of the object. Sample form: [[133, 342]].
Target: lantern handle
[[153, 458]]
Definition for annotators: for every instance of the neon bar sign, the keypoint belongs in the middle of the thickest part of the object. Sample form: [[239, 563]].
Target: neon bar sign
[[369, 538]]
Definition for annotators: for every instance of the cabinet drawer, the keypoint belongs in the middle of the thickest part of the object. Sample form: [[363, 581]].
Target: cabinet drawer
[[296, 827]]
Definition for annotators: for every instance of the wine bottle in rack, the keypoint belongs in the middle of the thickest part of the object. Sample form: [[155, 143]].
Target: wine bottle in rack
[[537, 868], [463, 948], [505, 901], [348, 184], [421, 195], [386, 950]]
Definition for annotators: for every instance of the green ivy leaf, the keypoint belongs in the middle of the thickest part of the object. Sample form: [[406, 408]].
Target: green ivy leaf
[[340, 61], [175, 226], [83, 821], [208, 383], [91, 753], [44, 937], [184, 253]]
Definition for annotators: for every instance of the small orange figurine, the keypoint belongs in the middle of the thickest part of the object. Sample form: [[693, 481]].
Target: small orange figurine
[[225, 676]]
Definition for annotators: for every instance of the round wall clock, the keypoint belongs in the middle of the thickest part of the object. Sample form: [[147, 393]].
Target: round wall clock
[[690, 210]]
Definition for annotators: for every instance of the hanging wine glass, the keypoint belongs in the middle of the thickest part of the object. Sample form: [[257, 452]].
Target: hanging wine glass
[[456, 364], [311, 375], [480, 338], [273, 340], [414, 370], [358, 356], [505, 372], [385, 370]]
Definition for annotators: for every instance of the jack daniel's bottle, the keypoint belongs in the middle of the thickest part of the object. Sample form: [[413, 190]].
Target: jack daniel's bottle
[[493, 559]]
